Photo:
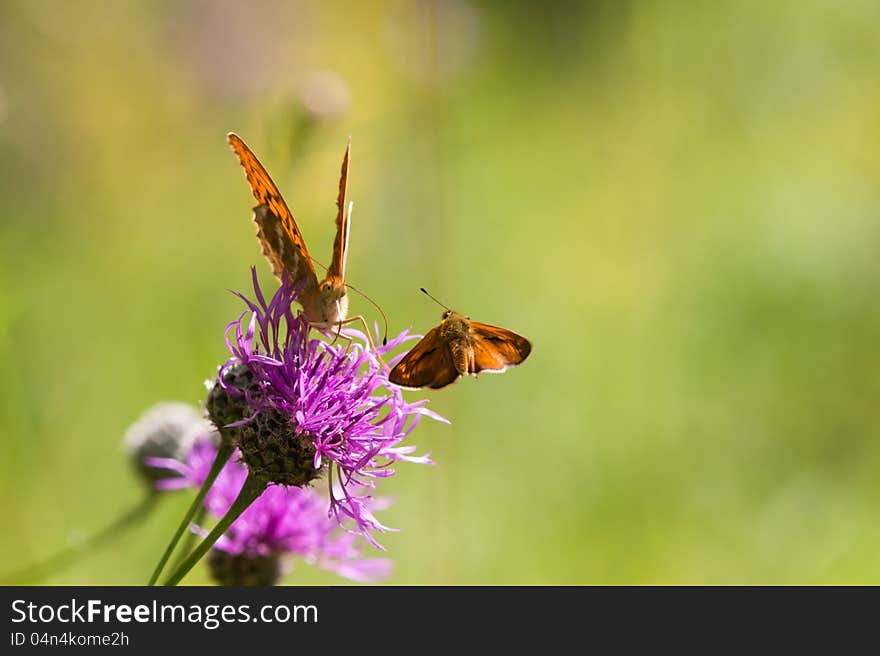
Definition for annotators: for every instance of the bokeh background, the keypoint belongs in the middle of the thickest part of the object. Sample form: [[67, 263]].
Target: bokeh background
[[678, 203]]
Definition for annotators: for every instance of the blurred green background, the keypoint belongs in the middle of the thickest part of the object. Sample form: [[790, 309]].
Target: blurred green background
[[678, 203]]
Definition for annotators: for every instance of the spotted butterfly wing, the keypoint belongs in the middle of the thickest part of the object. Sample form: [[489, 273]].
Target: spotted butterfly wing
[[280, 238]]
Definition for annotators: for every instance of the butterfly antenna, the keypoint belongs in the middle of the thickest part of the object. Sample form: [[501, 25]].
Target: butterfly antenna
[[375, 305], [425, 292]]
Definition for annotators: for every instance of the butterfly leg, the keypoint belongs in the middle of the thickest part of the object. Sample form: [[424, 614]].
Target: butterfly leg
[[338, 326], [363, 322], [339, 329], [338, 332]]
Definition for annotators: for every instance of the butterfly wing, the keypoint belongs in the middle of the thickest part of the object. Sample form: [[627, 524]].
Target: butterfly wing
[[428, 364], [280, 239], [493, 349], [343, 219]]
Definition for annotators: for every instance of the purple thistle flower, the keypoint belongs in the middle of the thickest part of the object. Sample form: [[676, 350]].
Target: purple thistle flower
[[308, 406], [283, 520]]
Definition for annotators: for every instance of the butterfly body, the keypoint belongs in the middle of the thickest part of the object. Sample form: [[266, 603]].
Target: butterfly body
[[455, 331], [459, 347]]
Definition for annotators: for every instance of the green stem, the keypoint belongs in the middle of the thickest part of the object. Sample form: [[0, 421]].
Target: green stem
[[223, 454], [37, 571], [190, 539], [251, 489]]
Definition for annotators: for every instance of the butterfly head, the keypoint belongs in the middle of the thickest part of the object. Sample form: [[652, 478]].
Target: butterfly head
[[452, 314], [334, 302]]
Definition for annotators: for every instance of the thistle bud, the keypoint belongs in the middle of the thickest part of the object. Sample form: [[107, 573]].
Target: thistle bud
[[241, 569], [167, 430], [273, 451]]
